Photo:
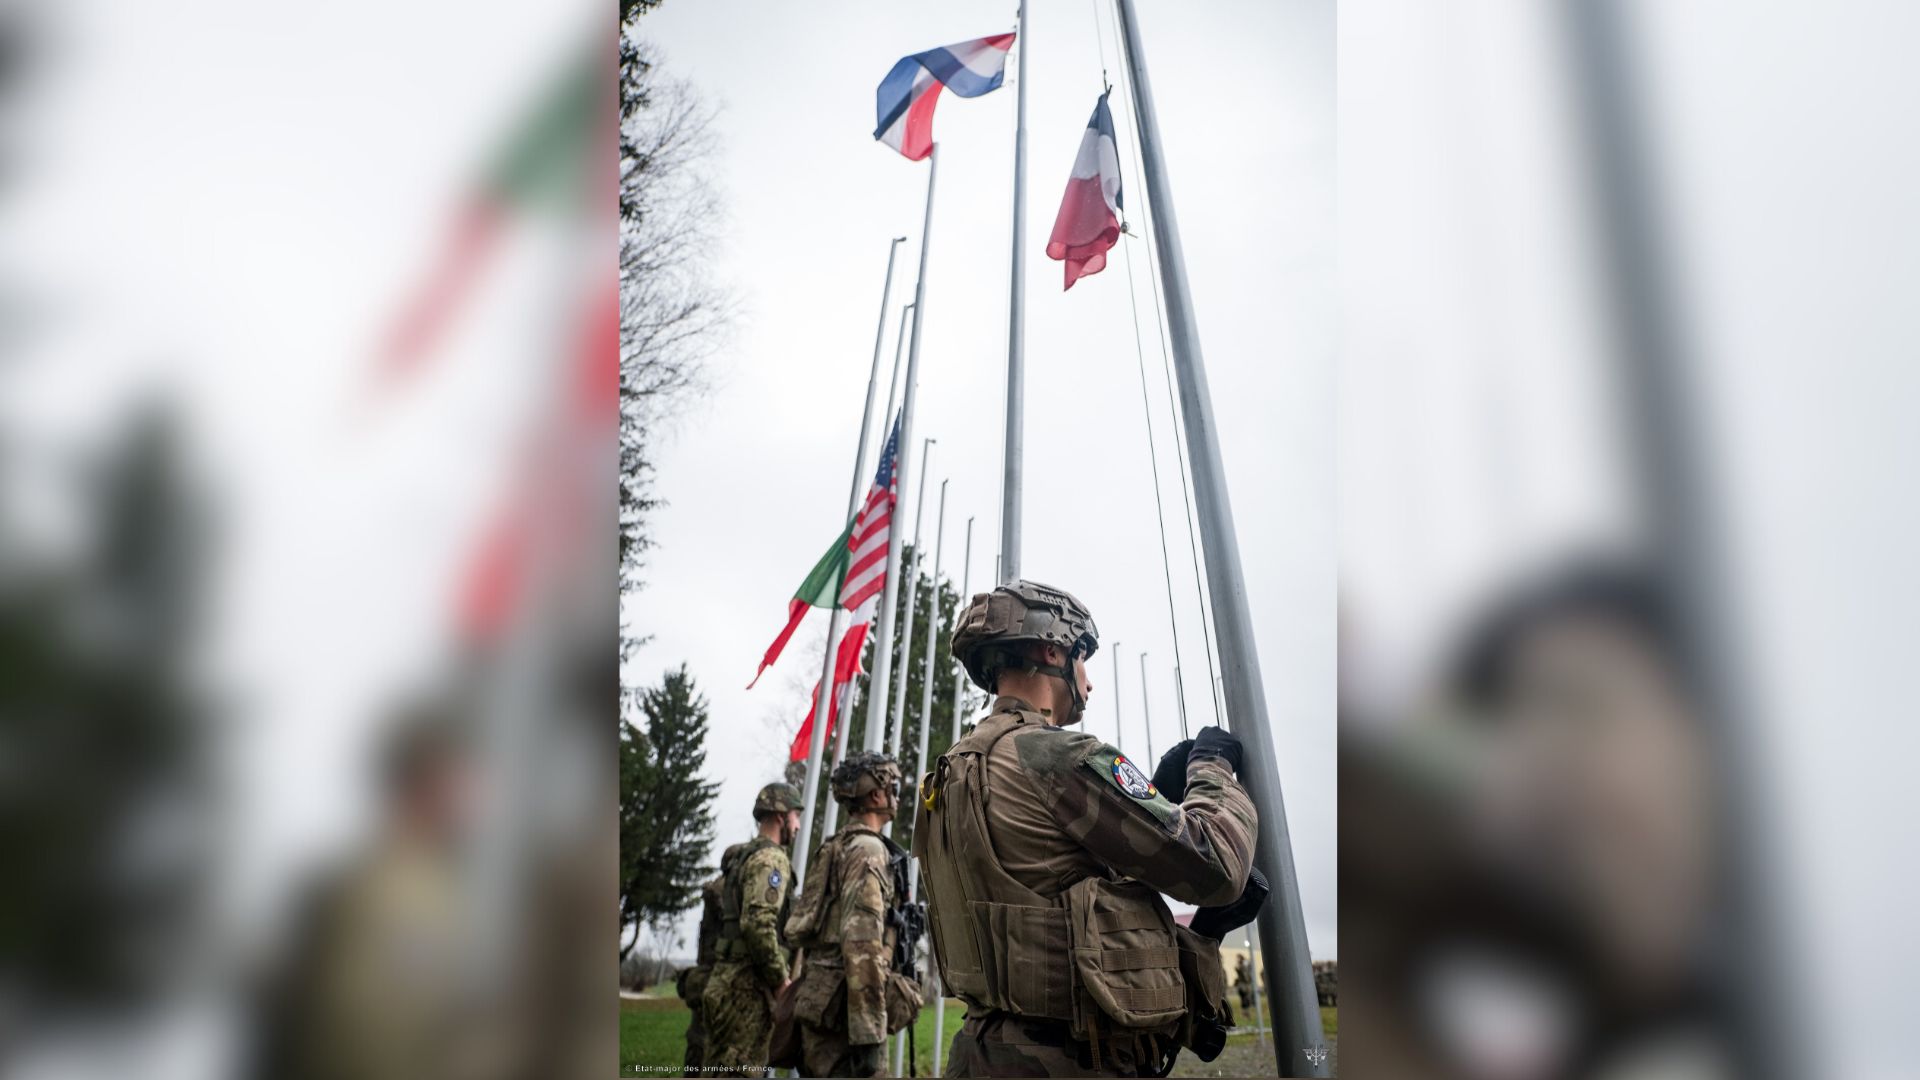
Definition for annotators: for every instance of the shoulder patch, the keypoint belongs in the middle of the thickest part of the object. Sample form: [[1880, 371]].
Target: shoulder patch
[[1131, 780], [773, 879]]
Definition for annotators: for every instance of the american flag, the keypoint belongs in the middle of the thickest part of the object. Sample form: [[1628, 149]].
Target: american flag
[[867, 568]]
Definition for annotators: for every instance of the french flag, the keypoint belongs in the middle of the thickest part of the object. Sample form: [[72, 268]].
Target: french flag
[[909, 92], [1089, 221]]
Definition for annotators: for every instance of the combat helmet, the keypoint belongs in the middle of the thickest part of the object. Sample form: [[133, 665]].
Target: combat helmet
[[1017, 613], [776, 799], [863, 771]]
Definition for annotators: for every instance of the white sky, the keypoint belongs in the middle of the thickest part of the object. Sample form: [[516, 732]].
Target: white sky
[[756, 476]]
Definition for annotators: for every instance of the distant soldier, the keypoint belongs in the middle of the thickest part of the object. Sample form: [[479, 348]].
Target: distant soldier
[[692, 982], [1045, 852], [750, 964], [1243, 980], [853, 924]]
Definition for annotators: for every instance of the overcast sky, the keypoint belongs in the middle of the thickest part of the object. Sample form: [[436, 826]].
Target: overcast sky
[[755, 476]]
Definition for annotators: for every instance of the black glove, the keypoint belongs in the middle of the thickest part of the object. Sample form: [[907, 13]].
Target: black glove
[[1217, 922], [1171, 775], [1213, 742]]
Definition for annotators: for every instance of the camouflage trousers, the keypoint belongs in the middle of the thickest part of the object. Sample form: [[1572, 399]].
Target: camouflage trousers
[[1001, 1044], [824, 1052], [739, 1021], [692, 985]]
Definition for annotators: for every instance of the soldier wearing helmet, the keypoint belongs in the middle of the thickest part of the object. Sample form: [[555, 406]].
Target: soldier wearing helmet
[[1045, 852], [848, 921], [750, 962]]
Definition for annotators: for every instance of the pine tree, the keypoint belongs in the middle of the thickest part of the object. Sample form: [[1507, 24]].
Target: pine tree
[[666, 809]]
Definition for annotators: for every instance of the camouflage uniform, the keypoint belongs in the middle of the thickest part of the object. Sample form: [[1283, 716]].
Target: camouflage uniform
[[1062, 810], [692, 983], [1243, 981], [855, 949], [751, 962]]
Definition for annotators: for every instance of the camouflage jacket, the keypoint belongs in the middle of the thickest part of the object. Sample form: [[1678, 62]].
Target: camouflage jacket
[[760, 883], [862, 890], [1066, 806]]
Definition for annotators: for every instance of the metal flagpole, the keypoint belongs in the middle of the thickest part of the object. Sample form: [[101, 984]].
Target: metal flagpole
[[818, 740], [883, 651], [959, 708], [1016, 329], [1289, 970], [1118, 735], [840, 733], [926, 699], [906, 632], [1253, 983], [1146, 711]]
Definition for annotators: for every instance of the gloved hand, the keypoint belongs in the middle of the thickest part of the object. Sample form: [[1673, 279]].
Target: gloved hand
[[1171, 774], [1213, 742], [1218, 922]]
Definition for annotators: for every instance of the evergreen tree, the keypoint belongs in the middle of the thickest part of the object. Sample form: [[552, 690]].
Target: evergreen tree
[[666, 809]]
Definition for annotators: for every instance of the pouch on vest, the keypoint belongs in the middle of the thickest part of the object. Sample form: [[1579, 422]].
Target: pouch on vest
[[903, 1002], [1126, 958], [1204, 1029]]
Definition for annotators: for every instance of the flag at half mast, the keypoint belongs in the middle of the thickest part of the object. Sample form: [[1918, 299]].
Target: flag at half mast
[[849, 570], [910, 91], [867, 546]]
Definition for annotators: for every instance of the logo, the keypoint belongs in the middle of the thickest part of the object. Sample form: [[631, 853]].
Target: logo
[[773, 879], [1131, 779], [1316, 1055]]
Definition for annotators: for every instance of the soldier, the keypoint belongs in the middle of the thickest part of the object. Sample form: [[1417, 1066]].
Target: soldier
[[1045, 850], [692, 982], [850, 921], [1243, 980], [750, 964]]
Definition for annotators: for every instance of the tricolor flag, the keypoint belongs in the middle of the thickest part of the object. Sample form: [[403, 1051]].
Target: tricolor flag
[[850, 570], [1089, 221], [909, 92]]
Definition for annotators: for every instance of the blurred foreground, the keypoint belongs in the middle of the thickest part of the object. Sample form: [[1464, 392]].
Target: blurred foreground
[[307, 615], [1626, 449]]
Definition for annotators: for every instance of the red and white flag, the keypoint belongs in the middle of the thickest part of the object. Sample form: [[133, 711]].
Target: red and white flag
[[1089, 221]]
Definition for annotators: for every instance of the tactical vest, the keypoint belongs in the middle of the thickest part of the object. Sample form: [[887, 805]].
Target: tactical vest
[[710, 917], [1103, 955], [731, 945]]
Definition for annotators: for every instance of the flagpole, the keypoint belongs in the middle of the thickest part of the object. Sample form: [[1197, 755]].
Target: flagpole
[[906, 631], [824, 693], [926, 708], [883, 652], [1146, 708], [959, 697], [1296, 1020], [841, 726], [1114, 649], [1016, 329]]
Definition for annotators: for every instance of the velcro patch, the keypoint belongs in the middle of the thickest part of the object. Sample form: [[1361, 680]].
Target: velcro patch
[[1131, 779], [773, 879]]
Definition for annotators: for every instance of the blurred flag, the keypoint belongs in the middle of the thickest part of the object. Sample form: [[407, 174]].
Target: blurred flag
[[1089, 221], [909, 92], [543, 161]]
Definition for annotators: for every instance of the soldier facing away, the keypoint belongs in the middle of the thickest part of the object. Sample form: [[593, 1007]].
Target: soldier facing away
[[849, 923], [1045, 852], [750, 963]]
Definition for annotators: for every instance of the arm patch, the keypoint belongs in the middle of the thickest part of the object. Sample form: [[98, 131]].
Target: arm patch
[[1127, 778]]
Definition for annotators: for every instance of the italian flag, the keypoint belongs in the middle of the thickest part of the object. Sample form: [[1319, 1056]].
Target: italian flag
[[821, 589]]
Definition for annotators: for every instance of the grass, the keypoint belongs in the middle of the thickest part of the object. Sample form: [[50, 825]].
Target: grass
[[653, 1041]]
